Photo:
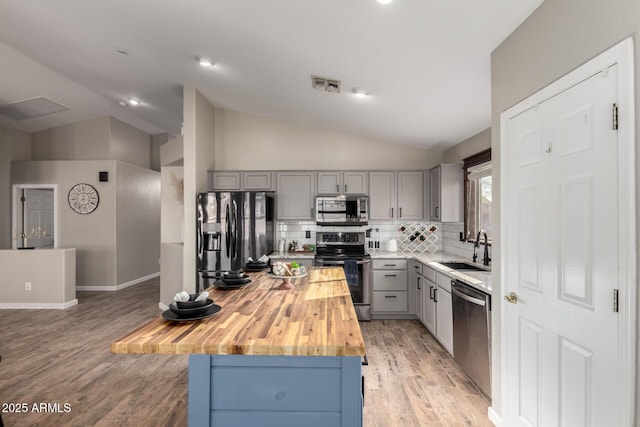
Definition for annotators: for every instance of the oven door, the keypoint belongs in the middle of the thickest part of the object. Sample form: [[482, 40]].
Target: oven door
[[360, 293]]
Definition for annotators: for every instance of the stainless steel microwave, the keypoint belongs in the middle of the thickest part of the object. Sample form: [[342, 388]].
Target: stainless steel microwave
[[342, 210]]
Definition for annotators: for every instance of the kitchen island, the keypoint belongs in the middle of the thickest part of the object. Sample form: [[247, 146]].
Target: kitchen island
[[270, 357]]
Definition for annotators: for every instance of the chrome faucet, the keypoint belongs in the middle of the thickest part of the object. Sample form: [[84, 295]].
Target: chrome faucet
[[485, 259]]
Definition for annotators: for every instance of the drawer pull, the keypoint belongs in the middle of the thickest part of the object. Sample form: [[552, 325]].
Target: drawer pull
[[390, 265], [391, 296], [416, 267], [390, 275]]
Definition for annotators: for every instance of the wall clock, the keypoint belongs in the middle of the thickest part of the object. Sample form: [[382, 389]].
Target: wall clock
[[83, 198]]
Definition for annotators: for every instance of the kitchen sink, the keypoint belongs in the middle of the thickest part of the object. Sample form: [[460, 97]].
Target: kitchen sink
[[462, 266]]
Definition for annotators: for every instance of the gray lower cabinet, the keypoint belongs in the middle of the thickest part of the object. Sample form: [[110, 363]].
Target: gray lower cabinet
[[428, 299], [295, 195], [444, 312], [390, 291], [241, 390]]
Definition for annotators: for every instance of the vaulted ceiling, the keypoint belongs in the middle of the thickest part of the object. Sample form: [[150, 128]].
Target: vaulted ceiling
[[425, 65]]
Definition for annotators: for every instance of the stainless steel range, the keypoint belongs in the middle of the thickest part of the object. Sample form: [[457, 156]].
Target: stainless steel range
[[347, 250]]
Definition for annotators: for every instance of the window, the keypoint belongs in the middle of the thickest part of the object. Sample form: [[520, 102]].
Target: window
[[477, 195]]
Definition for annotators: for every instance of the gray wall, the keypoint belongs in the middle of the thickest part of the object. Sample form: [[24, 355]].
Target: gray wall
[[137, 222], [470, 146], [93, 235], [88, 140], [558, 37], [129, 144], [278, 144], [14, 145]]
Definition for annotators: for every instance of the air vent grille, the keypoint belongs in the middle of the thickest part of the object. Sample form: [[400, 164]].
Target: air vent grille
[[325, 84], [30, 108]]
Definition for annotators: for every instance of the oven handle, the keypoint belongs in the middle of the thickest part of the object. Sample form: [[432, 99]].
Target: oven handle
[[323, 263]]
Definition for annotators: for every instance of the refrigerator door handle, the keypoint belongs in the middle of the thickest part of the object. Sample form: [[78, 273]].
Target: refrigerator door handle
[[234, 236], [227, 237]]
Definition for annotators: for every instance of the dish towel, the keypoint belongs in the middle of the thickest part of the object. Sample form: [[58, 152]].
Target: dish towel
[[351, 271]]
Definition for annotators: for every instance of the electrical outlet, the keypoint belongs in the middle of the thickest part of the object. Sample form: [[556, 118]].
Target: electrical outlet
[[27, 286]]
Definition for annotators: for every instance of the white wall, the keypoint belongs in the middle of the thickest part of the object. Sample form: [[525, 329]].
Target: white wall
[[137, 222], [558, 37], [246, 142]]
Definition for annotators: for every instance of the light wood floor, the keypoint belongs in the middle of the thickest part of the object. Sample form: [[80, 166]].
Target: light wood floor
[[62, 356]]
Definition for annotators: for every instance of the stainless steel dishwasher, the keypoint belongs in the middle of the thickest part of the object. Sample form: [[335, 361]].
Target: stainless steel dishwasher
[[472, 333]]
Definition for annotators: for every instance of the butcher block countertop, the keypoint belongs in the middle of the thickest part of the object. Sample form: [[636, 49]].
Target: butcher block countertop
[[317, 318]]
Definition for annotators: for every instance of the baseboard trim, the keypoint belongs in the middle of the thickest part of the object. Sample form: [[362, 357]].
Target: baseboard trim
[[494, 417], [120, 286], [38, 305], [163, 307]]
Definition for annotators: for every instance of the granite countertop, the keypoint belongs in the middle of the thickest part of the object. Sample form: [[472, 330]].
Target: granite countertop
[[480, 280], [316, 318]]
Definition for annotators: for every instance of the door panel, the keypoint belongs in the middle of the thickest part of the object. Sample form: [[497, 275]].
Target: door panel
[[561, 259]]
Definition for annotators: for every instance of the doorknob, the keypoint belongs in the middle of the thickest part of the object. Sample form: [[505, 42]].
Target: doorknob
[[511, 297]]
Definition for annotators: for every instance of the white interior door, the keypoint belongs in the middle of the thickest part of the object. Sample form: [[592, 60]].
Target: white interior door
[[562, 261], [38, 215]]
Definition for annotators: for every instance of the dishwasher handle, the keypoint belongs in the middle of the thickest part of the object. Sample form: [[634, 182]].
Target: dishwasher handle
[[469, 298]]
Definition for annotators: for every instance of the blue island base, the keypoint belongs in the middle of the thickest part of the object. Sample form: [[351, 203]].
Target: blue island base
[[278, 391]]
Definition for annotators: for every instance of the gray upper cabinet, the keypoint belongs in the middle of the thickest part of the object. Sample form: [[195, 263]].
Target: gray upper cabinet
[[446, 193], [382, 195], [335, 182], [356, 182], [396, 195], [296, 195], [226, 180], [241, 180], [410, 195], [257, 180]]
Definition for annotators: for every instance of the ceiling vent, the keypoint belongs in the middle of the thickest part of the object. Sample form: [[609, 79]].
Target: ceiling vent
[[30, 108], [325, 84]]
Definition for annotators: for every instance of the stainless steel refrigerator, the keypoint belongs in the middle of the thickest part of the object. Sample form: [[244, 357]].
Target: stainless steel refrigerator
[[231, 227]]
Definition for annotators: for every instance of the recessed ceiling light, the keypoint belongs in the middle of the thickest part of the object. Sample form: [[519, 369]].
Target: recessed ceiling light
[[122, 51], [133, 101], [205, 62], [384, 1], [359, 92], [122, 103]]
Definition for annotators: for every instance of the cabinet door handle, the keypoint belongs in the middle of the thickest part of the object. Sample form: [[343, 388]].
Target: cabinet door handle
[[337, 188], [416, 267], [400, 212], [391, 296], [435, 295], [390, 275], [391, 212], [345, 188], [430, 292], [437, 209], [418, 280]]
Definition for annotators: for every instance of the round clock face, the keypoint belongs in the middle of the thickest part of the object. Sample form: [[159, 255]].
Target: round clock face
[[83, 198]]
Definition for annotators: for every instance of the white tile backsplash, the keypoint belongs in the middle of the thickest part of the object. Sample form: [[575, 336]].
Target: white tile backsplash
[[295, 230], [453, 245]]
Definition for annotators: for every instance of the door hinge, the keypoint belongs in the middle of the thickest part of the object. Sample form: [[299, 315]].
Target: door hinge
[[615, 300], [615, 117]]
